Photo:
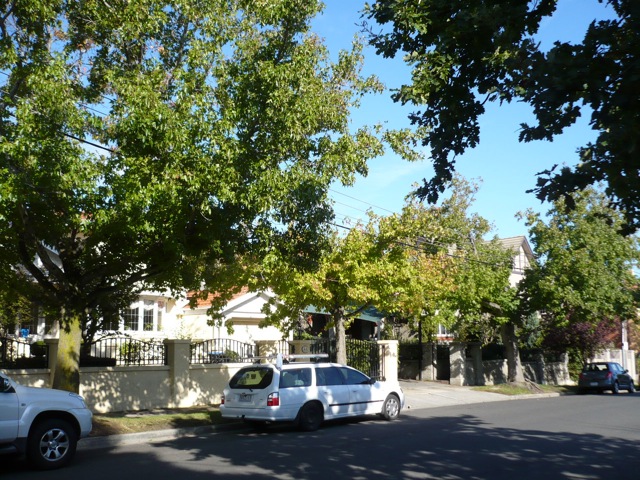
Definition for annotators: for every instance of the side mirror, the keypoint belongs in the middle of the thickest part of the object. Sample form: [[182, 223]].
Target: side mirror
[[5, 385]]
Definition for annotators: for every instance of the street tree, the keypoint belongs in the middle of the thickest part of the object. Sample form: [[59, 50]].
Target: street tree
[[388, 263], [427, 265], [153, 143], [465, 54], [583, 280], [483, 306]]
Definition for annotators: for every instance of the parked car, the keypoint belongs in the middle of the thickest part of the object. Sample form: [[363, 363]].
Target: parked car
[[41, 422], [601, 376], [307, 394]]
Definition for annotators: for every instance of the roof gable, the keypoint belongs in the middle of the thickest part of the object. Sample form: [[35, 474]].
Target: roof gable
[[516, 244]]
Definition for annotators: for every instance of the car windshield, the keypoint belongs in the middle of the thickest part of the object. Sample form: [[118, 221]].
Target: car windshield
[[252, 377]]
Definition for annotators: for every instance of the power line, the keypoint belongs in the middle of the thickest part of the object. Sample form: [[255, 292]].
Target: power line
[[435, 244], [361, 201]]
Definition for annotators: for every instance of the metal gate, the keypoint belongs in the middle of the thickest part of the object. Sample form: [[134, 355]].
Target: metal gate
[[443, 363], [361, 354]]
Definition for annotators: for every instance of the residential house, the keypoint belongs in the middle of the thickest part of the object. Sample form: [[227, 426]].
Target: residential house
[[243, 312], [522, 259], [158, 315]]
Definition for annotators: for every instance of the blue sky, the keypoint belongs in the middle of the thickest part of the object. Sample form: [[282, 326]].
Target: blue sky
[[503, 167]]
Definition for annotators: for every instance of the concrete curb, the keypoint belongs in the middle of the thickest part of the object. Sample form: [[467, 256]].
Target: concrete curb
[[107, 441]]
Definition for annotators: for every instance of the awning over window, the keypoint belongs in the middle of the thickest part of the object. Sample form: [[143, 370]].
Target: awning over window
[[369, 314]]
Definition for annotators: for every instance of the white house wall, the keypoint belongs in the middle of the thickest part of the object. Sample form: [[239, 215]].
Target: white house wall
[[244, 313], [520, 265]]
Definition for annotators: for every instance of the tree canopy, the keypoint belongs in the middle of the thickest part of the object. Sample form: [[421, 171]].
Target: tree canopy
[[152, 143], [379, 264], [427, 265], [465, 53], [583, 283], [585, 267]]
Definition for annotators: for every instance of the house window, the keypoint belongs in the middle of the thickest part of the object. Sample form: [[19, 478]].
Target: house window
[[131, 318], [49, 324], [29, 323], [147, 315], [443, 331], [143, 316]]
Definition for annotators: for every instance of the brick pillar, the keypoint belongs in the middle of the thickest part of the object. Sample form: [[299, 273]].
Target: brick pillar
[[267, 348], [52, 343], [178, 360], [389, 361], [302, 347], [457, 361], [428, 372], [540, 369]]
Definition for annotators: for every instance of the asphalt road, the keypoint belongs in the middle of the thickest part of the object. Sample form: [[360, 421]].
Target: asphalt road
[[570, 437]]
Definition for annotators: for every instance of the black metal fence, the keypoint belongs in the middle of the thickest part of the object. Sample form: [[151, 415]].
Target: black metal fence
[[223, 350], [19, 353], [361, 354], [120, 350]]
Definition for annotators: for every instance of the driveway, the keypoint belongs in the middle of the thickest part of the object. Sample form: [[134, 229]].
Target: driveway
[[433, 394]]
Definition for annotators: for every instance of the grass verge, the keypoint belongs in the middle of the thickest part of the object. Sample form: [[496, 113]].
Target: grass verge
[[526, 389], [149, 420]]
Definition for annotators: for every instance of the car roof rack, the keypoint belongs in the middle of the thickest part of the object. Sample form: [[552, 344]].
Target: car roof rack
[[280, 358]]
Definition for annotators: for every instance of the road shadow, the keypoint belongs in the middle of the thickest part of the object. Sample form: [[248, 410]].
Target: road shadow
[[448, 444]]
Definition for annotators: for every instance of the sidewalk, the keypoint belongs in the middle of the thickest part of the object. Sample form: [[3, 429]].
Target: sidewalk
[[433, 394], [418, 395]]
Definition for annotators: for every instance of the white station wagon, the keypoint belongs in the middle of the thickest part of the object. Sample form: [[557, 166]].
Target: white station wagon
[[307, 394]]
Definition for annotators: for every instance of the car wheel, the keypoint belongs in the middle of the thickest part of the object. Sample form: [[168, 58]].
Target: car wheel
[[51, 444], [310, 417], [391, 407], [616, 388], [632, 387]]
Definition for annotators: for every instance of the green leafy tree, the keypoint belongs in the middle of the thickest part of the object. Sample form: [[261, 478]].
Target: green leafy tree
[[150, 143], [583, 281], [429, 266], [13, 308], [465, 53], [483, 306], [383, 264]]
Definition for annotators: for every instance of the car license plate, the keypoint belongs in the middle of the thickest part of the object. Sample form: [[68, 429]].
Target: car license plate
[[244, 397], [594, 384]]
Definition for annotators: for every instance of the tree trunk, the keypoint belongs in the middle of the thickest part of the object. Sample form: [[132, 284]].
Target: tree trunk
[[515, 374], [341, 342], [66, 375]]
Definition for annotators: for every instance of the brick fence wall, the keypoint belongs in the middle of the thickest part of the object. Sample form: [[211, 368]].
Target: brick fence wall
[[178, 384]]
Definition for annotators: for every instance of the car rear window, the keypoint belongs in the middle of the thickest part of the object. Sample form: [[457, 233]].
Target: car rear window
[[252, 377], [595, 367]]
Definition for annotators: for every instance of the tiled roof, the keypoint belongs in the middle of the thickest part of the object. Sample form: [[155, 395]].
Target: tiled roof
[[206, 302]]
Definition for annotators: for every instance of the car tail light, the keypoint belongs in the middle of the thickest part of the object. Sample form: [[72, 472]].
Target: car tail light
[[273, 400], [581, 376], [609, 375], [222, 400]]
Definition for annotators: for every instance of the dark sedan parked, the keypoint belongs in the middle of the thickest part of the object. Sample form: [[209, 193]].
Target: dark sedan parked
[[601, 376]]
